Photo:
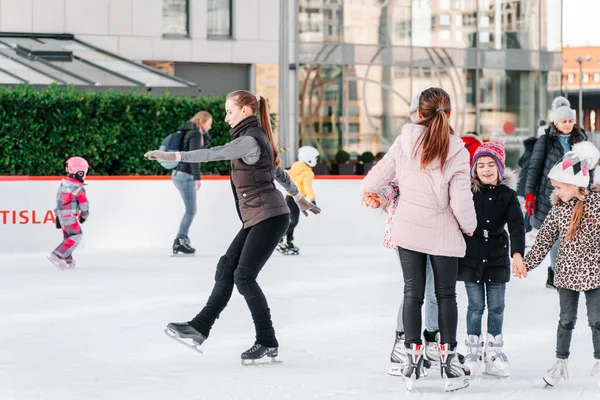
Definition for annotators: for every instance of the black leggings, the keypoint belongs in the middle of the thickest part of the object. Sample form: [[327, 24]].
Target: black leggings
[[240, 265], [445, 271], [294, 216]]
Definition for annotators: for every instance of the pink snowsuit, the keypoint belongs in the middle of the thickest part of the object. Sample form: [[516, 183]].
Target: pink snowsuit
[[70, 201]]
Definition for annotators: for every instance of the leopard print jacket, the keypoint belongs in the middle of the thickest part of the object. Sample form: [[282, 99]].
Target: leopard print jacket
[[578, 261]]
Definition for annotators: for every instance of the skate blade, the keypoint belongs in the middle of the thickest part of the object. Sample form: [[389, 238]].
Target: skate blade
[[182, 255], [57, 265], [173, 335], [395, 370], [410, 384], [548, 385], [498, 375], [452, 385], [260, 363]]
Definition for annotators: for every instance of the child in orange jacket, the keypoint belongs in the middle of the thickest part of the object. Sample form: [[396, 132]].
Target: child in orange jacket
[[302, 175]]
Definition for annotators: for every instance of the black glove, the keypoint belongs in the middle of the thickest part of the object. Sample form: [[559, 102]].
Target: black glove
[[82, 219], [57, 221], [314, 202]]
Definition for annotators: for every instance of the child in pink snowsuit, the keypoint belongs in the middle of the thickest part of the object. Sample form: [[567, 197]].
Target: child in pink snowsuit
[[71, 203]]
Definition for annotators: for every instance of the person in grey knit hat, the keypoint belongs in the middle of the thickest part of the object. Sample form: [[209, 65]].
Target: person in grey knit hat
[[558, 139], [561, 110]]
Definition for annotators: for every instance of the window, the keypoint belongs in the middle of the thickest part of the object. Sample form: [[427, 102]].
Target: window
[[596, 77], [176, 20], [219, 18], [571, 78], [586, 78]]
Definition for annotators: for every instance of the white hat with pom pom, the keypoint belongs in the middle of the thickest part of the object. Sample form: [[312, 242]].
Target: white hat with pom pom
[[575, 166]]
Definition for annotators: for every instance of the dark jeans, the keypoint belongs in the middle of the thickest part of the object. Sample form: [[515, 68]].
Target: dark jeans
[[569, 301], [476, 295], [445, 271], [240, 265], [294, 216], [527, 221]]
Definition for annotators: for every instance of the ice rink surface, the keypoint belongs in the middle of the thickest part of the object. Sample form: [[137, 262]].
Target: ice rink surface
[[96, 332]]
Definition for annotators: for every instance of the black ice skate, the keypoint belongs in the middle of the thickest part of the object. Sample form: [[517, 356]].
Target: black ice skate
[[257, 352], [288, 248], [185, 334], [413, 369], [456, 376], [181, 247]]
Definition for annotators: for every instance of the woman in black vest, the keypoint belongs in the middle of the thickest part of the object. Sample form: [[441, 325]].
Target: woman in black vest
[[263, 212]]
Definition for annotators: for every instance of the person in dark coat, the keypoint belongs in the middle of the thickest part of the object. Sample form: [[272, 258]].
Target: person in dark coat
[[524, 161], [485, 269], [549, 149], [187, 177]]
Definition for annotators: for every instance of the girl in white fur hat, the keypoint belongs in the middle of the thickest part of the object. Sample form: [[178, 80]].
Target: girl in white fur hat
[[574, 219]]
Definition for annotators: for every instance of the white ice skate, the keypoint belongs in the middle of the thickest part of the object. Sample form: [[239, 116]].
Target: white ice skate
[[474, 352], [496, 362], [432, 351], [58, 262], [456, 376], [556, 373], [398, 358]]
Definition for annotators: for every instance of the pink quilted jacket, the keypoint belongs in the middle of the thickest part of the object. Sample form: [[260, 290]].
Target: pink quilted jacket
[[436, 204]]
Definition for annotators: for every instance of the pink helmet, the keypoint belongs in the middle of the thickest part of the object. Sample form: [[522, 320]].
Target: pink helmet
[[77, 165]]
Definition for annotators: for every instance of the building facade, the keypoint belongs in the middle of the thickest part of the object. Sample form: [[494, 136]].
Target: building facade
[[352, 65], [362, 61]]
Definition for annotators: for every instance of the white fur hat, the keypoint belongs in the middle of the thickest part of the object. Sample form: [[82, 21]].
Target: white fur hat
[[576, 165]]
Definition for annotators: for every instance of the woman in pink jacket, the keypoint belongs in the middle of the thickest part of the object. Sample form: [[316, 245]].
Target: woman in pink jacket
[[434, 209]]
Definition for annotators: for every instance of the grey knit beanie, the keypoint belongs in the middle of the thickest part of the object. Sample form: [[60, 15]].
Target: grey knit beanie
[[561, 109], [413, 111]]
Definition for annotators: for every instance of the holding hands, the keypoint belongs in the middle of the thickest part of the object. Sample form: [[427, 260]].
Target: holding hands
[[519, 269], [372, 200]]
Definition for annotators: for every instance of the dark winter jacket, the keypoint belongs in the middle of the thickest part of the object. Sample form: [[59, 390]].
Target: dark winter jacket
[[256, 196], [544, 157], [488, 254], [193, 139], [529, 144]]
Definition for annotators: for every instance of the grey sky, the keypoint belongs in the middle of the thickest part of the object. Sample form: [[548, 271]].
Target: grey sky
[[580, 23]]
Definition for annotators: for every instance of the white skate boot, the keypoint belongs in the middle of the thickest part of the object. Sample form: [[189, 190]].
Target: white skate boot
[[456, 376], [398, 358], [556, 373], [496, 362], [474, 351], [432, 351]]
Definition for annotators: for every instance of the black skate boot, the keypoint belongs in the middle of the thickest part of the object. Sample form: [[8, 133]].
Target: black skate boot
[[290, 249], [181, 247], [550, 279], [185, 334], [413, 370], [258, 351], [456, 376]]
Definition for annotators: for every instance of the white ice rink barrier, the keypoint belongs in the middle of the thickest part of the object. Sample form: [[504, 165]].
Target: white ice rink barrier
[[144, 213]]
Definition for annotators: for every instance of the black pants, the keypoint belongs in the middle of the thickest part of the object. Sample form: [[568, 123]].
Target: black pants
[[240, 265], [294, 216], [445, 271]]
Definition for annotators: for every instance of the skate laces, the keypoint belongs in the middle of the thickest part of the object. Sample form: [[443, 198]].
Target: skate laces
[[499, 354], [559, 369], [253, 348]]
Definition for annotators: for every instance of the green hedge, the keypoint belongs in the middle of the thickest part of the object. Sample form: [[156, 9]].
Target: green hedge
[[39, 130]]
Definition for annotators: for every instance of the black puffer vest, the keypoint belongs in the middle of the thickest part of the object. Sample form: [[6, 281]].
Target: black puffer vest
[[256, 196]]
